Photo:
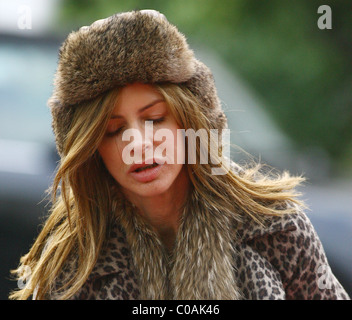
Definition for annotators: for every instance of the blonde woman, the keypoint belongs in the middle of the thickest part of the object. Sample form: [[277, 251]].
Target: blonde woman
[[129, 218]]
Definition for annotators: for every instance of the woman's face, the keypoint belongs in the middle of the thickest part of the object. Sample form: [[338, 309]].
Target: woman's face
[[141, 165]]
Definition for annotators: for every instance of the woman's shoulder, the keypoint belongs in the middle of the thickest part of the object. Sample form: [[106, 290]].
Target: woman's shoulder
[[264, 224], [291, 245], [296, 222]]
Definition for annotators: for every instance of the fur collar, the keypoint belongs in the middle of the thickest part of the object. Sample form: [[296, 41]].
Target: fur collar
[[201, 265]]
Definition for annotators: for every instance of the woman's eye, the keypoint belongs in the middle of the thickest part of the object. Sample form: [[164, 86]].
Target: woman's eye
[[156, 121], [114, 132]]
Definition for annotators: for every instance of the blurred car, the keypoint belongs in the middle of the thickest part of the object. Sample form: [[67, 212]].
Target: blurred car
[[28, 155], [27, 151]]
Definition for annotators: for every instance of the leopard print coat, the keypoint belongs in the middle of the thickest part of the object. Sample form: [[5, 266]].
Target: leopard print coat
[[282, 259]]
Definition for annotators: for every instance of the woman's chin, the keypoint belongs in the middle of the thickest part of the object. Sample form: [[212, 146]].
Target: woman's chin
[[146, 190]]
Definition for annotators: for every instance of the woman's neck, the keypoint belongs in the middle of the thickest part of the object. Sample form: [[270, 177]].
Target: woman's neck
[[163, 211]]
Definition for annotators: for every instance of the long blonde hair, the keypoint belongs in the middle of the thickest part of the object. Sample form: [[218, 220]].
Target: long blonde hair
[[83, 194]]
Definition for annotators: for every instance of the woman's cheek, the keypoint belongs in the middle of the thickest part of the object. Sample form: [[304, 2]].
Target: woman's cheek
[[109, 152]]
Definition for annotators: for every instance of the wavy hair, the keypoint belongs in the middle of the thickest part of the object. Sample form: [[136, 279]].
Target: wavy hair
[[84, 195]]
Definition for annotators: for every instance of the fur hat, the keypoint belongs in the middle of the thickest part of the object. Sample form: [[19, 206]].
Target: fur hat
[[138, 46]]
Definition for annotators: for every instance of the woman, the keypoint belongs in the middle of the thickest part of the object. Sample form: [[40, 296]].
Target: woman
[[131, 221]]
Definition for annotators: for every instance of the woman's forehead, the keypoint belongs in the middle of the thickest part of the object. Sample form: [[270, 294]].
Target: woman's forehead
[[137, 97]]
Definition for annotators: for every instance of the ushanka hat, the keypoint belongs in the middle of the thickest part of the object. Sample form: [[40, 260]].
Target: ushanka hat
[[138, 46]]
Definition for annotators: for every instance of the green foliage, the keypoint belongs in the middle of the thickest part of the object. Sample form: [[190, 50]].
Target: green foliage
[[302, 73]]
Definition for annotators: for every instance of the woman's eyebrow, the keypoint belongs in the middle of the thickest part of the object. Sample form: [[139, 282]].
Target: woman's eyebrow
[[141, 109], [150, 105]]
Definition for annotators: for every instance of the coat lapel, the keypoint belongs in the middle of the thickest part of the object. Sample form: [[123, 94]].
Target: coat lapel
[[115, 256]]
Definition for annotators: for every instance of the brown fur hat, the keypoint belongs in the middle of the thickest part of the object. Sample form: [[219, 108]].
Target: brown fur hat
[[138, 46]]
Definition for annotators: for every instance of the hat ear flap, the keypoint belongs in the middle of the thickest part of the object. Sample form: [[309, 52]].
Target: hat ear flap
[[202, 85], [61, 122]]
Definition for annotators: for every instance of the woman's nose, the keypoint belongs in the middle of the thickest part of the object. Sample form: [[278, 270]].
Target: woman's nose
[[143, 142]]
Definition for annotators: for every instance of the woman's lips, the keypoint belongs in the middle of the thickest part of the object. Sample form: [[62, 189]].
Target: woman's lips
[[145, 175]]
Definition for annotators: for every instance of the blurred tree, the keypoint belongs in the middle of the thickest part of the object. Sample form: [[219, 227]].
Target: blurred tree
[[302, 72]]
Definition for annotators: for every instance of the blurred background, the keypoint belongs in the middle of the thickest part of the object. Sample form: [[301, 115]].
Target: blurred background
[[285, 84]]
